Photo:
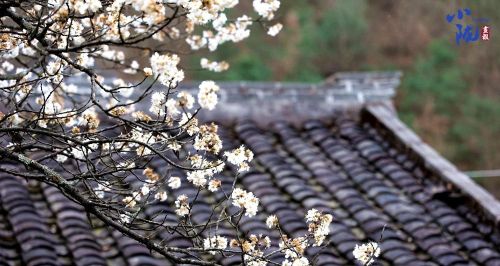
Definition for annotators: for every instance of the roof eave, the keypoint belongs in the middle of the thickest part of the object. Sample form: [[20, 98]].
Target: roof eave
[[385, 115]]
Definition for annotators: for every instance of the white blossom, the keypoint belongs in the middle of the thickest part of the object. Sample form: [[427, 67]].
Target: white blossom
[[16, 119], [157, 101], [302, 261], [161, 196], [213, 65], [196, 42], [275, 29], [83, 7], [125, 218], [174, 182], [294, 251], [266, 8], [208, 139], [172, 109], [174, 145], [185, 99], [148, 71], [7, 66], [272, 221], [61, 158], [101, 189], [366, 253], [240, 157], [78, 153], [198, 178], [219, 21], [189, 123], [129, 202], [319, 225], [182, 205], [165, 66], [145, 189], [246, 200], [214, 185], [216, 242], [207, 95]]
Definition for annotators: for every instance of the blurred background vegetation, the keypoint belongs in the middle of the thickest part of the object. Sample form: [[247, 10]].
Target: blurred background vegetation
[[449, 94]]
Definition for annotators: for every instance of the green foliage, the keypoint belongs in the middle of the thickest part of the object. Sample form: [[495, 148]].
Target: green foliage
[[435, 77], [475, 133], [325, 38], [344, 26], [247, 67], [472, 120]]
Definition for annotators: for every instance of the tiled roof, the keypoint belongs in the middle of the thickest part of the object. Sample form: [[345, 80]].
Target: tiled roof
[[359, 165]]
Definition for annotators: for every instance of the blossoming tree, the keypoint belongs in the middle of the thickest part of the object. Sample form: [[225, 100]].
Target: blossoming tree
[[86, 140]]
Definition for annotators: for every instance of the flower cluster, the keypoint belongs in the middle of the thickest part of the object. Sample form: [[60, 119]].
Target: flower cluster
[[165, 67], [240, 157], [61, 158], [213, 65], [152, 179], [80, 28], [82, 7], [157, 101], [109, 134], [266, 8], [216, 242], [90, 119], [207, 96], [189, 123], [185, 100], [206, 170], [201, 12], [125, 218], [208, 139], [319, 225], [140, 139], [294, 251], [101, 189], [174, 182], [272, 221], [79, 153], [131, 201], [234, 32], [154, 11], [198, 178], [294, 248], [366, 253], [161, 196], [151, 175], [275, 29], [246, 200], [214, 185], [253, 249], [182, 205]]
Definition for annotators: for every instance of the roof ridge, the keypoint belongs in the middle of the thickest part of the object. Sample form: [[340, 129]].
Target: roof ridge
[[343, 87], [294, 100]]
